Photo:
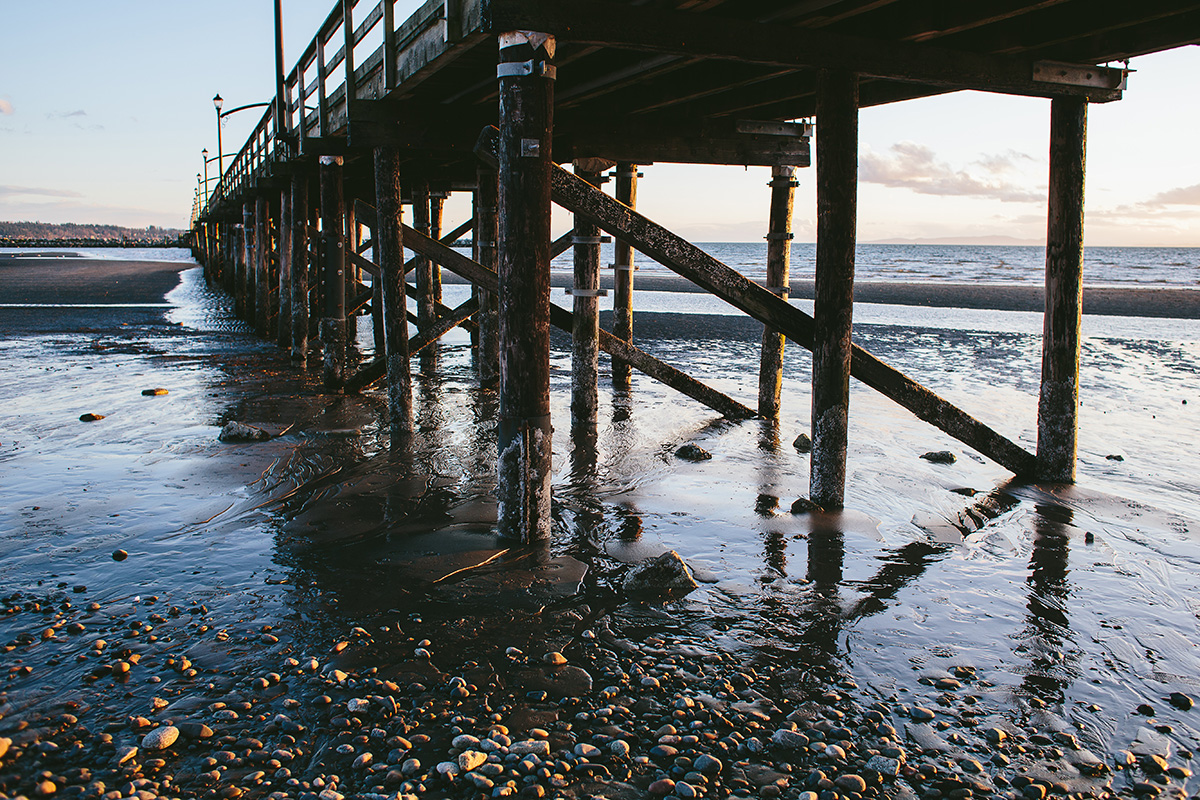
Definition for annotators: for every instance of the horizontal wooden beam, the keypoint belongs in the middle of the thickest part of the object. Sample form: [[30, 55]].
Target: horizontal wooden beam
[[595, 22]]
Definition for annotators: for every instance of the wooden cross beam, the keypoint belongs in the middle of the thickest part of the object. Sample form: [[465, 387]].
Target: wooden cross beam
[[609, 24]]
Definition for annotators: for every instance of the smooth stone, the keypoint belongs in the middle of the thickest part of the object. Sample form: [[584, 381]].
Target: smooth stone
[[156, 392], [585, 750], [665, 575], [919, 714], [530, 747], [160, 738], [708, 765], [939, 457], [789, 740], [802, 443], [851, 783], [802, 505], [555, 659], [119, 555], [241, 432], [89, 417], [464, 741], [470, 759], [447, 769], [887, 767], [693, 452], [661, 787], [1181, 701]]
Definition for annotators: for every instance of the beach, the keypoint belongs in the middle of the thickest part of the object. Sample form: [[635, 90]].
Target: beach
[[329, 613]]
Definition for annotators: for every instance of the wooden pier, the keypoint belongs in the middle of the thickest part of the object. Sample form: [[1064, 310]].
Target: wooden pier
[[492, 97]]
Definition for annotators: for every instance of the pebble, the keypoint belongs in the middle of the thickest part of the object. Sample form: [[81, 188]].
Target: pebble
[[919, 714], [661, 787], [533, 747], [160, 738], [887, 767], [708, 765], [851, 783], [555, 659], [156, 392], [1181, 701], [693, 452], [470, 759], [89, 417], [119, 555], [940, 457], [802, 443]]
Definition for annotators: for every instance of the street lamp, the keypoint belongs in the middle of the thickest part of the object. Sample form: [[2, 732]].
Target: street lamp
[[218, 101], [204, 153]]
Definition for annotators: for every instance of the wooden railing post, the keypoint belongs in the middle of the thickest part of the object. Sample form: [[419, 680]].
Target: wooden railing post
[[626, 192], [779, 256], [1058, 404], [585, 334], [526, 76], [333, 323], [837, 194], [299, 265], [389, 286]]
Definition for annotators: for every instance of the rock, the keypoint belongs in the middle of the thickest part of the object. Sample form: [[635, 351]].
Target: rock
[[939, 457], [789, 740], [447, 769], [533, 747], [555, 659], [585, 750], [665, 575], [919, 714], [156, 392], [90, 417], [1181, 701], [160, 738], [241, 432], [804, 506], [802, 443], [707, 765], [661, 787], [5, 743], [1115, 457], [887, 767], [470, 759], [119, 555], [692, 452], [851, 783]]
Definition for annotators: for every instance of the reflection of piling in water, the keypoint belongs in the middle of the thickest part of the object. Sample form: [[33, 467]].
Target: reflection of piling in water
[[1047, 633]]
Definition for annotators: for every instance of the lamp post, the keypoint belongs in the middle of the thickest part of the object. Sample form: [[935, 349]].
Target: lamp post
[[204, 153], [218, 101]]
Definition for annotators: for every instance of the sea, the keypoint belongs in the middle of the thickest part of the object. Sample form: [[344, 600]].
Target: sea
[[1072, 605]]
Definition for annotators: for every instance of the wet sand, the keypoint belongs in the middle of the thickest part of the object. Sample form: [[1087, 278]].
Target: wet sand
[[325, 614]]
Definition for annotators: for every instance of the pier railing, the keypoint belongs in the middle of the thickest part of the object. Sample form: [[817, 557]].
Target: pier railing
[[372, 57]]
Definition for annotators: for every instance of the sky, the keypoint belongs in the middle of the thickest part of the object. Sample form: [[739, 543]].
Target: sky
[[105, 108]]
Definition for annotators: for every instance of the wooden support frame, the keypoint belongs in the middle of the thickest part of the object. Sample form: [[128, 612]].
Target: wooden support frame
[[299, 266], [487, 231], [585, 333], [1058, 402], [686, 259], [246, 271], [390, 287], [283, 326], [626, 193]]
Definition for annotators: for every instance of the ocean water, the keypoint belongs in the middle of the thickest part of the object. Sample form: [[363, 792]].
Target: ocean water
[[1073, 604]]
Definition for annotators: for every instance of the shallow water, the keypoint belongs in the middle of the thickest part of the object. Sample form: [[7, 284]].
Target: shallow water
[[331, 524]]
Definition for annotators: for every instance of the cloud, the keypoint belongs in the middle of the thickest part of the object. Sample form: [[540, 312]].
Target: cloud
[[913, 166], [5, 106], [12, 191], [79, 112], [1181, 196], [1000, 163]]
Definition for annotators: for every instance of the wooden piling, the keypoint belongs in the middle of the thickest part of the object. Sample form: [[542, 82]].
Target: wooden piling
[[486, 235], [833, 300], [585, 333], [526, 77], [262, 255], [246, 268], [779, 256], [333, 323], [626, 192], [426, 305], [389, 287], [283, 326], [299, 265], [353, 278], [437, 202], [1058, 404]]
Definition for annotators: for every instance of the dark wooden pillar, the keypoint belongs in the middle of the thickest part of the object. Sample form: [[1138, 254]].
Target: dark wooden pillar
[[837, 194], [262, 256], [283, 235], [779, 257], [426, 310], [437, 202], [299, 265], [389, 285], [353, 273], [526, 79], [333, 251], [1058, 406], [245, 272], [486, 235], [626, 192], [585, 333]]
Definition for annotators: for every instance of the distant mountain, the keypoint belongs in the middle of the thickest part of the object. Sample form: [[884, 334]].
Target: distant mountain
[[17, 233], [967, 240]]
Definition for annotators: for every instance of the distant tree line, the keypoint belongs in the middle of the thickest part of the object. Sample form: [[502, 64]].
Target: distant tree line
[[17, 234]]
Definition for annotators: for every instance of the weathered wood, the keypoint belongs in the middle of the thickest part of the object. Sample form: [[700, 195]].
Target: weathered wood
[[487, 232], [353, 271], [300, 266], [437, 201], [333, 321], [563, 319], [424, 268], [833, 303], [448, 320], [626, 193], [262, 255], [779, 256], [596, 22], [246, 268], [701, 268], [585, 335], [1058, 403], [284, 237], [390, 281], [524, 432]]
